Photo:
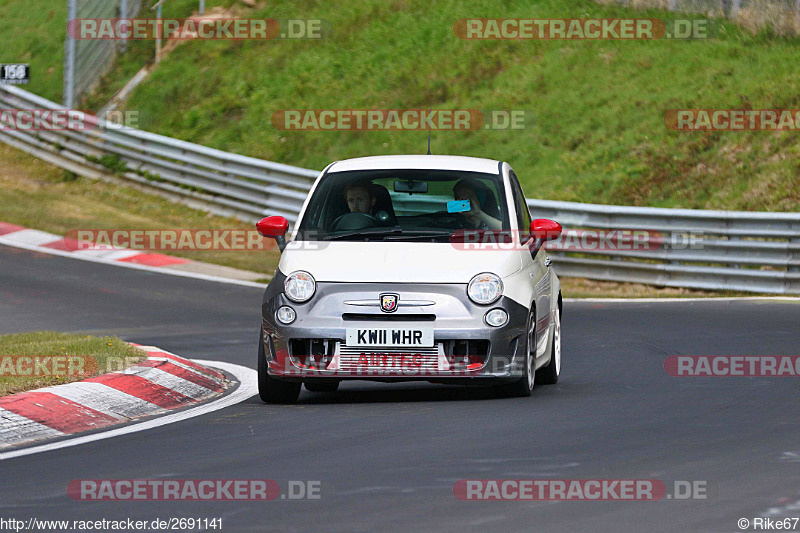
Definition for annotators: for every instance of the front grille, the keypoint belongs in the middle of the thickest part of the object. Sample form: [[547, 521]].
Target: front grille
[[336, 355], [366, 358]]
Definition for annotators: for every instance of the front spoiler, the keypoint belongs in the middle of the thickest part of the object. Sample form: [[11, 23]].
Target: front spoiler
[[483, 376]]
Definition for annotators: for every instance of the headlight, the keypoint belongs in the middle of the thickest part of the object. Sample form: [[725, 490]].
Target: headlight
[[485, 288], [299, 286]]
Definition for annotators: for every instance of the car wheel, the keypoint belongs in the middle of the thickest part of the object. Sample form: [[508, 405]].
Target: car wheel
[[548, 375], [322, 386], [270, 389], [523, 387]]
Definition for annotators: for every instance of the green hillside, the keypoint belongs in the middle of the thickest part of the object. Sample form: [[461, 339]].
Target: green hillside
[[597, 132]]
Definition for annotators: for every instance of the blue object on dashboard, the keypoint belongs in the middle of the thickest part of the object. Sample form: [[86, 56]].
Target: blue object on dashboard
[[458, 206]]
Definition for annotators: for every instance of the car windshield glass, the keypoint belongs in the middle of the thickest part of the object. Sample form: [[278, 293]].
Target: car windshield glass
[[396, 205]]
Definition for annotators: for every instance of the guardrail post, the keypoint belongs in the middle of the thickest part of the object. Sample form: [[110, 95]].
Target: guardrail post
[[123, 14], [69, 57]]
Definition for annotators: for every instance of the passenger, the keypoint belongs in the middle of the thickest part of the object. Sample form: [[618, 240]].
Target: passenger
[[477, 219]]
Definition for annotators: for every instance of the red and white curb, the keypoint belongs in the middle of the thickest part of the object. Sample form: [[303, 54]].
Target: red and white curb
[[40, 241], [12, 233], [163, 382]]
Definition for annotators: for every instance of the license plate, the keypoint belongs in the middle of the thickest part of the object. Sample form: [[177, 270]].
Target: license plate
[[392, 336]]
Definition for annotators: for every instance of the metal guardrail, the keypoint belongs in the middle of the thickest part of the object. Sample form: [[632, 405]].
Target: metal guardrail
[[230, 184], [719, 250]]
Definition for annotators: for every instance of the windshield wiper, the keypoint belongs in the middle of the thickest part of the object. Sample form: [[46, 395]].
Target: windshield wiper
[[366, 234], [421, 234]]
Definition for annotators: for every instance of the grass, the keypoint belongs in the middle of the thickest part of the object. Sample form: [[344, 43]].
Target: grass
[[36, 36], [597, 132], [31, 35], [101, 355], [141, 52], [37, 195]]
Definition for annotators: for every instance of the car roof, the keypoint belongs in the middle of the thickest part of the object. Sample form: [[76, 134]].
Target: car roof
[[425, 162]]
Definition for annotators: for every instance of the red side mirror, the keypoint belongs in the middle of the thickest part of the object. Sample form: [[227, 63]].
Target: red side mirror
[[273, 226], [545, 229]]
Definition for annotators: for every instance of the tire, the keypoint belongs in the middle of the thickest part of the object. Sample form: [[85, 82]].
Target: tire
[[523, 387], [270, 389], [322, 386], [548, 375]]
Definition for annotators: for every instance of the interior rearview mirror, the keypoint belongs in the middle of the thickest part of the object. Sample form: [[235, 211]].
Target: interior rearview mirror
[[411, 186]]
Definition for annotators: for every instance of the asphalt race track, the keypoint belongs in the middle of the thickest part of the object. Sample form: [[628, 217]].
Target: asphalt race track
[[387, 456]]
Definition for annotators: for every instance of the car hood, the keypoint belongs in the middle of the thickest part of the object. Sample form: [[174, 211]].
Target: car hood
[[397, 262]]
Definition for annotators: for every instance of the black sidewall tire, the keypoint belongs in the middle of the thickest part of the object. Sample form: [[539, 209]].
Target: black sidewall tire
[[520, 387], [548, 375], [271, 390]]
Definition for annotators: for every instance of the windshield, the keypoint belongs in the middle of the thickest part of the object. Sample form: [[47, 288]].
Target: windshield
[[403, 205]]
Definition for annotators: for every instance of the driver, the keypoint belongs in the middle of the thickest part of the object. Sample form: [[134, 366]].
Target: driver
[[359, 197]]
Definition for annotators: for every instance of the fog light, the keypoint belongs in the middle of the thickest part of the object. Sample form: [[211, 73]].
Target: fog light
[[286, 315], [497, 317]]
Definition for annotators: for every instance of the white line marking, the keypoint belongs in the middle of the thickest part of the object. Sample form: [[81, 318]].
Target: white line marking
[[248, 386], [16, 429], [103, 398], [108, 255], [32, 237]]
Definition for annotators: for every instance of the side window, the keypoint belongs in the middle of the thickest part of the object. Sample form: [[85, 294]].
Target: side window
[[523, 215]]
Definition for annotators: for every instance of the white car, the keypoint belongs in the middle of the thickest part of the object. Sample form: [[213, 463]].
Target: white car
[[411, 267]]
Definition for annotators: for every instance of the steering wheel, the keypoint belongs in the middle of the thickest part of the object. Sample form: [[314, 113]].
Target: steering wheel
[[353, 221]]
